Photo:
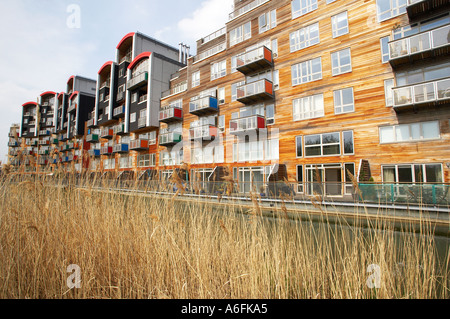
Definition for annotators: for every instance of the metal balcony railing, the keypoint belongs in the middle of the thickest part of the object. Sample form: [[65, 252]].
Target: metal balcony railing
[[255, 91], [137, 81], [246, 124], [139, 144], [170, 138], [204, 105], [258, 59], [204, 132], [423, 93], [171, 114]]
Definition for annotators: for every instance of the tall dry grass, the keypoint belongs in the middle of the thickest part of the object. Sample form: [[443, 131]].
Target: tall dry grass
[[135, 246]]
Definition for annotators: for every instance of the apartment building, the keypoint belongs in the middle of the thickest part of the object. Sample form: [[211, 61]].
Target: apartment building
[[312, 92]]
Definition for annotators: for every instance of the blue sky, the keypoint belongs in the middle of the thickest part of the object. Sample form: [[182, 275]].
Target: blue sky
[[41, 49]]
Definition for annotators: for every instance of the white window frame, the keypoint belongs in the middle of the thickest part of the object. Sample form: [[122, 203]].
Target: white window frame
[[341, 68], [339, 109], [420, 125], [339, 31], [307, 107], [218, 70], [309, 5], [309, 76], [304, 37]]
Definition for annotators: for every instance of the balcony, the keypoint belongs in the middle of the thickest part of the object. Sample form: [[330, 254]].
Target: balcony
[[121, 148], [44, 152], [70, 146], [72, 107], [202, 106], [247, 124], [91, 123], [94, 152], [43, 161], [425, 45], [172, 114], [205, 133], [107, 133], [106, 150], [142, 122], [138, 81], [119, 111], [254, 60], [13, 144], [44, 132], [255, 92], [120, 96], [92, 138], [416, 8], [422, 95], [55, 141], [139, 145], [170, 139], [119, 129], [44, 142]]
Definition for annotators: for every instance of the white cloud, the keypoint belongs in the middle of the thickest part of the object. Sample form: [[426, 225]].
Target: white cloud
[[211, 16]]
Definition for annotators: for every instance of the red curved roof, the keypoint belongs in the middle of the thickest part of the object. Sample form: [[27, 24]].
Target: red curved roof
[[48, 93], [104, 66], [29, 103], [62, 93], [71, 78], [73, 95], [129, 35], [138, 58]]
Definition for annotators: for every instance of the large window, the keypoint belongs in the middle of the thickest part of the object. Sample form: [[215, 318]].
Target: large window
[[384, 43], [339, 24], [301, 7], [195, 79], [147, 160], [267, 21], [307, 71], [410, 132], [412, 173], [341, 62], [387, 9], [241, 33], [327, 144], [218, 70], [389, 94], [308, 107], [304, 37]]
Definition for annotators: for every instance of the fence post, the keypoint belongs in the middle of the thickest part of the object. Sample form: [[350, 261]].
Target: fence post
[[392, 193], [433, 188]]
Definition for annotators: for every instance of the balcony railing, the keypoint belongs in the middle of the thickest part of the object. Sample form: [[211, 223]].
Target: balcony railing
[[94, 152], [252, 5], [120, 96], [172, 114], [205, 132], [119, 111], [43, 161], [107, 133], [119, 129], [247, 124], [420, 46], [423, 93], [44, 142], [214, 35], [13, 144], [92, 138], [72, 107], [255, 91], [139, 145], [254, 60], [55, 140], [204, 105], [91, 123], [44, 132], [142, 122], [106, 150], [44, 152], [121, 148], [169, 139], [137, 81], [416, 8]]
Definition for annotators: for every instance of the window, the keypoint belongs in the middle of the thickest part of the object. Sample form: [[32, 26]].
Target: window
[[221, 95], [305, 37], [152, 138], [300, 188], [322, 145], [339, 24], [348, 142], [301, 7], [218, 70], [389, 96], [330, 1], [307, 71], [134, 97], [344, 101], [412, 173], [195, 79], [133, 117], [387, 9], [267, 21], [124, 162], [349, 168], [299, 146], [341, 62], [234, 87], [327, 144], [410, 132], [385, 49], [308, 107], [270, 114], [147, 160], [221, 123], [241, 33]]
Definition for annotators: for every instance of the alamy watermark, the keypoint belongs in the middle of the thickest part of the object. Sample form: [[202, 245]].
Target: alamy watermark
[[74, 18], [74, 280]]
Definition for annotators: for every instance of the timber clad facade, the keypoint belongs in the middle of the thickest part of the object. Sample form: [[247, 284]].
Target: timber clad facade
[[308, 91]]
